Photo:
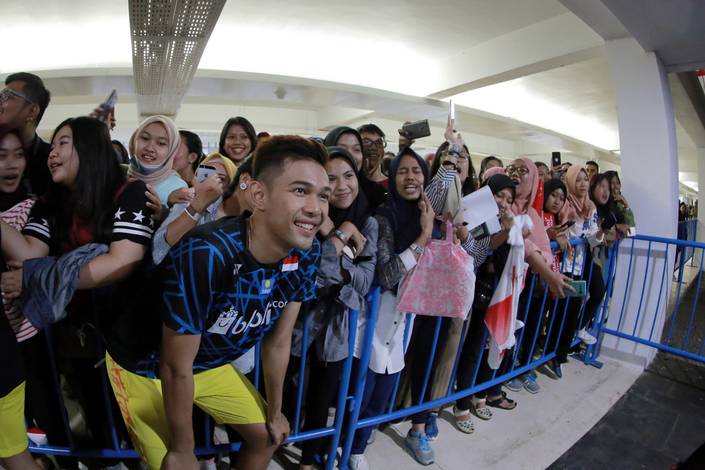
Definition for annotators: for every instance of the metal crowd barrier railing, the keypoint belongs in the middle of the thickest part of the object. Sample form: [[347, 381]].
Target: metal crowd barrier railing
[[663, 326], [348, 403], [685, 254]]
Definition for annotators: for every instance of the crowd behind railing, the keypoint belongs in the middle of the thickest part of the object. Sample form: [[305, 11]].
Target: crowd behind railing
[[317, 274]]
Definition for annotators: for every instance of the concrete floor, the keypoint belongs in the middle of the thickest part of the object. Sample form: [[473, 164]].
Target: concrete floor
[[532, 436]]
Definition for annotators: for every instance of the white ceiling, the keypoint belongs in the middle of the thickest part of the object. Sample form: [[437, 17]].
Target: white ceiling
[[531, 76]]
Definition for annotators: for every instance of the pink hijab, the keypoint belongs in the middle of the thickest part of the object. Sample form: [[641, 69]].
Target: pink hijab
[[575, 206], [495, 170], [528, 195]]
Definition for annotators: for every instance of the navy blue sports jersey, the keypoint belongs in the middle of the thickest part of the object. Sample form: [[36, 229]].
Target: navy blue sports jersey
[[214, 287]]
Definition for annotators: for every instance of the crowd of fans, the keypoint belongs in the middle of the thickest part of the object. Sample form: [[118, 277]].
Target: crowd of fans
[[162, 269]]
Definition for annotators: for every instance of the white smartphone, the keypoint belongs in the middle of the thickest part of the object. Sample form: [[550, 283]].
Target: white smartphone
[[203, 172], [451, 106]]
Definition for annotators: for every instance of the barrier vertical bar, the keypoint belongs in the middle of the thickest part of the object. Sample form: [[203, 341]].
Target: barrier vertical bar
[[660, 292], [643, 289], [431, 357], [258, 364], [356, 402], [629, 275], [343, 391], [407, 333], [594, 350], [517, 346], [302, 374], [458, 353], [695, 303]]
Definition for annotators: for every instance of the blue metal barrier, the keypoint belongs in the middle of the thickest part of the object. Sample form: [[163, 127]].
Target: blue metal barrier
[[679, 328], [538, 344]]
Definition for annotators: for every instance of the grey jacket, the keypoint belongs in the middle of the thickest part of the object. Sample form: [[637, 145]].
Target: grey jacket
[[328, 325], [49, 283]]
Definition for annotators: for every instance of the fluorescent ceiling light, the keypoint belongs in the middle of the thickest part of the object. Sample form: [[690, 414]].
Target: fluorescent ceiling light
[[514, 100], [85, 42]]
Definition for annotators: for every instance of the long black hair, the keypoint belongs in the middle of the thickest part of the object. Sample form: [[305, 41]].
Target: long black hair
[[609, 209], [470, 183], [246, 126], [194, 145], [91, 201]]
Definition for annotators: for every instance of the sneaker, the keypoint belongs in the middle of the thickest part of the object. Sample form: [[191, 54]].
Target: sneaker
[[530, 384], [515, 384], [373, 436], [431, 428], [586, 337], [358, 462], [417, 442]]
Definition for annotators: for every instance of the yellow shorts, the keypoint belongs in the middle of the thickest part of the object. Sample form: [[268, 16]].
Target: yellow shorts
[[223, 393], [13, 435]]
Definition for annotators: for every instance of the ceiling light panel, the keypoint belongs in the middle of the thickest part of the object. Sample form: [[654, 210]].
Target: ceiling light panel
[[168, 39]]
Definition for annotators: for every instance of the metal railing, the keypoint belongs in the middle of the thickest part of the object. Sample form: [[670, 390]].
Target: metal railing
[[552, 320]]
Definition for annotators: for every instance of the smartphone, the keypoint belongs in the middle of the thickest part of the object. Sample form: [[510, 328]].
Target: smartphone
[[416, 130], [107, 106], [631, 231], [579, 289], [451, 111], [203, 172], [555, 159], [568, 224]]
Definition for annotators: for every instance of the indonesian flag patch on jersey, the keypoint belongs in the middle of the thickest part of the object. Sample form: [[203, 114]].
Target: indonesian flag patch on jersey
[[290, 263]]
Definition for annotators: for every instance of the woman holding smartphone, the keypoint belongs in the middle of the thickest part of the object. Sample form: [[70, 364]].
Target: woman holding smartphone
[[578, 265]]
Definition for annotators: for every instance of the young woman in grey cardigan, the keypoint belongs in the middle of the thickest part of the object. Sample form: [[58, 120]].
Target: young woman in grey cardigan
[[348, 258]]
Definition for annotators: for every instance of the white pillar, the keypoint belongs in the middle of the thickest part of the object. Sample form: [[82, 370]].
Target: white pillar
[[650, 183], [701, 195]]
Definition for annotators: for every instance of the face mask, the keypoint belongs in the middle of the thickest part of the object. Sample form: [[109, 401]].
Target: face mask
[[145, 169]]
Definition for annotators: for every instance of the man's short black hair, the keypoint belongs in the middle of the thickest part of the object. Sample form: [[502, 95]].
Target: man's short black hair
[[271, 155], [33, 88], [592, 162], [371, 129], [540, 163]]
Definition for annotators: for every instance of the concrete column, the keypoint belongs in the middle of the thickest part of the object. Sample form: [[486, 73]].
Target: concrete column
[[650, 182], [701, 195]]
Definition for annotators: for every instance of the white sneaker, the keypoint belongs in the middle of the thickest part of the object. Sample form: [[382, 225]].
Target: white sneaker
[[586, 337], [358, 462]]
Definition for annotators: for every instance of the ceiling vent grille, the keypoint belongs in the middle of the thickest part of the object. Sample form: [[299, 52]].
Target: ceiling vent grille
[[168, 39]]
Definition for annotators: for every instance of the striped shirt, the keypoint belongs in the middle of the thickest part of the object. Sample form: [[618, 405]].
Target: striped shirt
[[16, 217]]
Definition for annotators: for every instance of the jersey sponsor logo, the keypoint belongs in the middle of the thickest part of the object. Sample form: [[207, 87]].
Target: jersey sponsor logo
[[290, 263], [266, 286], [233, 323], [236, 269]]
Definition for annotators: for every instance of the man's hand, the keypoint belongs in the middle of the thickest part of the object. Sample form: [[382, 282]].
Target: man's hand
[[278, 428], [179, 461]]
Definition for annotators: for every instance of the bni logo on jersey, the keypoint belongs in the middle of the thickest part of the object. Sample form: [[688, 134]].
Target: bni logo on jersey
[[266, 286]]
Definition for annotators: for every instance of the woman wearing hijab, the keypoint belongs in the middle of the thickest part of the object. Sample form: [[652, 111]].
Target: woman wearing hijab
[[153, 146], [405, 226], [348, 258], [350, 140], [471, 357], [577, 264]]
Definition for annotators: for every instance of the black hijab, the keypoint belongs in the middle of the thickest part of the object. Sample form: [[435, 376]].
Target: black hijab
[[375, 194], [359, 210], [499, 182], [403, 215]]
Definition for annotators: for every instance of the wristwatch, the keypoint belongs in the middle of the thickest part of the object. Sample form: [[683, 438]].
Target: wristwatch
[[341, 235], [416, 249]]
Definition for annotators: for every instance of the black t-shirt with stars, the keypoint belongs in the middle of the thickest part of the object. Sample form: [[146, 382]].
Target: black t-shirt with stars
[[132, 219]]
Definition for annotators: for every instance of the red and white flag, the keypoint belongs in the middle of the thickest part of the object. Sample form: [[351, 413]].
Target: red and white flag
[[501, 316]]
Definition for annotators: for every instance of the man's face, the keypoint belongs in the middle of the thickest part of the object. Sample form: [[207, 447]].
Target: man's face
[[15, 106], [296, 202], [373, 149], [591, 171]]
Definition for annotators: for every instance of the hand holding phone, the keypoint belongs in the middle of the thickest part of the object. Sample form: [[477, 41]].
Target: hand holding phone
[[579, 289]]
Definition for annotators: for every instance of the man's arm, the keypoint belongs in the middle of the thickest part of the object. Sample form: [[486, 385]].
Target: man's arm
[[176, 373], [275, 359]]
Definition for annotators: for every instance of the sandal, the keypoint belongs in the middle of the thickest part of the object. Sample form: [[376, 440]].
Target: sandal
[[480, 409], [463, 421], [502, 402]]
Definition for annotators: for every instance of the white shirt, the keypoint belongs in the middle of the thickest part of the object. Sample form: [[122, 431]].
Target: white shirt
[[582, 228]]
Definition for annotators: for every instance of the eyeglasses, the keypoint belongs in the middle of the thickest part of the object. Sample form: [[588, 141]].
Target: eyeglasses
[[521, 170], [8, 93], [374, 143]]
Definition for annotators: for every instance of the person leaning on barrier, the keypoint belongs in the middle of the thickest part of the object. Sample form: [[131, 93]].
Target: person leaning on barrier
[[577, 264], [88, 202], [226, 286], [348, 259]]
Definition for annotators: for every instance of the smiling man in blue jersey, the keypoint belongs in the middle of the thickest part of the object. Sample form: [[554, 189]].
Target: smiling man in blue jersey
[[228, 285]]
